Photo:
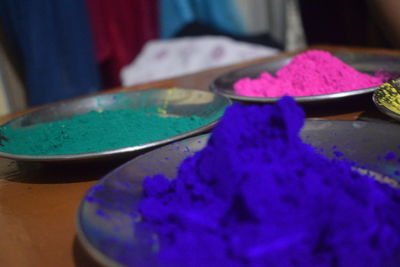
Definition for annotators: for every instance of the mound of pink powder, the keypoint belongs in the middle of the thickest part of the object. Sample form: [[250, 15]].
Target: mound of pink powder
[[314, 72]]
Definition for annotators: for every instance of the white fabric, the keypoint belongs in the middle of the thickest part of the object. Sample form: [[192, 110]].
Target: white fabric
[[162, 59]]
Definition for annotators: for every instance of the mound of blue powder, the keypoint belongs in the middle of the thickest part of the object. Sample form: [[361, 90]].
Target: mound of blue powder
[[256, 195]]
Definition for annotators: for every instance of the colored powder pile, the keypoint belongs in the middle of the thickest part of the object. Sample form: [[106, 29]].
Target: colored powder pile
[[256, 195], [314, 72], [96, 131], [387, 95]]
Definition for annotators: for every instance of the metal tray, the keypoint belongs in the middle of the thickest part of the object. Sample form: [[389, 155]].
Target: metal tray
[[175, 101], [105, 221], [367, 63]]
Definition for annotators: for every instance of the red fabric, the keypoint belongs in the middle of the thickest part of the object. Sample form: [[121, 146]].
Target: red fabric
[[120, 28]]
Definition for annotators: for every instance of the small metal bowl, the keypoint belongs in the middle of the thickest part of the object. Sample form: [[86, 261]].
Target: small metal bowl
[[387, 99]]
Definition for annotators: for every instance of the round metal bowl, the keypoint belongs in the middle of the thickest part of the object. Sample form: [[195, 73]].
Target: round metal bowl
[[174, 102], [107, 216]]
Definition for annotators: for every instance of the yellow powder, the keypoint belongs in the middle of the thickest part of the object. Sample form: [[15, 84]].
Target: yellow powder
[[388, 96]]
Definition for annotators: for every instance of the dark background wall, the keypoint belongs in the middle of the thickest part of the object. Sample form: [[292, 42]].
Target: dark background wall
[[342, 22]]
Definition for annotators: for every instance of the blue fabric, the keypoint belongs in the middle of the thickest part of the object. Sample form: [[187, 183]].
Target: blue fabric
[[53, 41], [221, 14]]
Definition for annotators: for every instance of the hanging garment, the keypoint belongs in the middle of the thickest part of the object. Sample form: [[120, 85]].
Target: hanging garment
[[53, 43], [13, 96], [274, 23], [279, 18], [194, 29], [120, 29], [221, 14]]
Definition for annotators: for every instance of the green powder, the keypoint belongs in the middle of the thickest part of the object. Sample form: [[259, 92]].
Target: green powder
[[97, 131]]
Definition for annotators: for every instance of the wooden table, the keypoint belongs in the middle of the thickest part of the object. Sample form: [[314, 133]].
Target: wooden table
[[38, 202]]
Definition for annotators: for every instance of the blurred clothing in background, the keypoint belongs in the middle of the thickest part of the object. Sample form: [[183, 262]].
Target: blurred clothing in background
[[12, 92], [52, 41], [202, 34], [120, 29], [267, 22], [68, 48]]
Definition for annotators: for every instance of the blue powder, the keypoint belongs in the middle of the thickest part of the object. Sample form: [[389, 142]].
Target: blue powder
[[338, 153], [390, 156], [256, 195]]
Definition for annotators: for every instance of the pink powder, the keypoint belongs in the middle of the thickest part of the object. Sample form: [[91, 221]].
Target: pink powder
[[314, 72]]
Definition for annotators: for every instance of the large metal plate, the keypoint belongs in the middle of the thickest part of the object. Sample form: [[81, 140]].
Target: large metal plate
[[367, 63], [175, 101], [105, 220]]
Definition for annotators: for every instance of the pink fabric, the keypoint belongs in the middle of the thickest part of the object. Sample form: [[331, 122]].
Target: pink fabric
[[314, 72]]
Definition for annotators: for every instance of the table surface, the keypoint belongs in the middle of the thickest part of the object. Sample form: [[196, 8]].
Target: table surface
[[39, 202]]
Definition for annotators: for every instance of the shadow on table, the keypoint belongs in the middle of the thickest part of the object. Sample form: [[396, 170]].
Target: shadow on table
[[332, 107], [81, 257], [340, 106], [55, 173]]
